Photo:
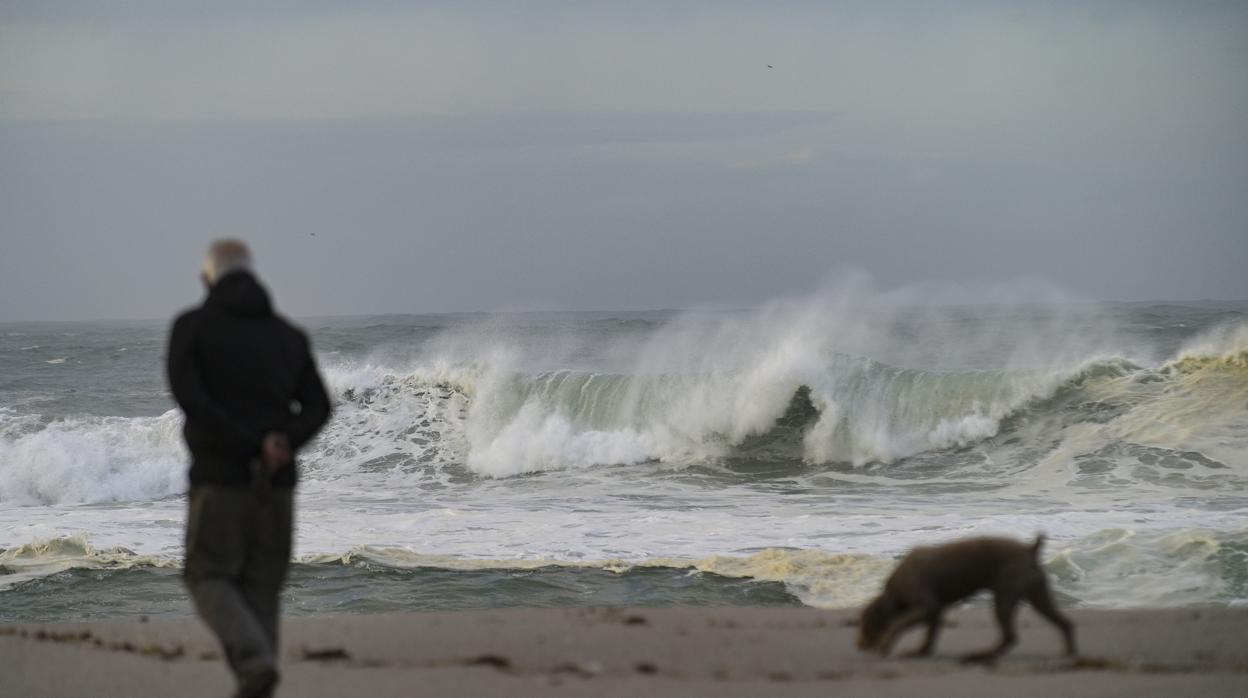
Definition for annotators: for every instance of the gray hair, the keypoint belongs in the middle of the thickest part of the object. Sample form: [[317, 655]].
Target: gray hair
[[223, 257]]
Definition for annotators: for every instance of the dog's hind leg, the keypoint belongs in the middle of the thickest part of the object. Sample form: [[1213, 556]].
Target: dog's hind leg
[[1042, 601], [1004, 605]]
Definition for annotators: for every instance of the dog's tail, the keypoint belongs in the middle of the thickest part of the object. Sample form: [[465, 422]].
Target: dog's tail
[[1035, 547]]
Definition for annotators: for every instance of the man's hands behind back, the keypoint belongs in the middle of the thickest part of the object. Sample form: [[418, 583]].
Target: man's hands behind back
[[275, 451]]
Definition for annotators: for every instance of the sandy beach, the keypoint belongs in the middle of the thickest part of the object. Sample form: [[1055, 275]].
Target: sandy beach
[[629, 652]]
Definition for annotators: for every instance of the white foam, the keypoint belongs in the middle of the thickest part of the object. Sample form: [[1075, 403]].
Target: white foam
[[534, 439], [1170, 568], [387, 419], [92, 459]]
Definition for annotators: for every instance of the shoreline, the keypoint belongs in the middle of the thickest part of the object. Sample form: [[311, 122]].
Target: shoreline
[[685, 651]]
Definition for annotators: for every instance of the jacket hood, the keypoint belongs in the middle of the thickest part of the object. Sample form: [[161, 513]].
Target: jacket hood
[[240, 293]]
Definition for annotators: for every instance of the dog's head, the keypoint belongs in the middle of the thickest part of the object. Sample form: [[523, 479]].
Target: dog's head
[[873, 622]]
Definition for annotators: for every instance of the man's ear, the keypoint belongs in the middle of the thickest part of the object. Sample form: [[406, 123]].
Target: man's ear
[[203, 278]]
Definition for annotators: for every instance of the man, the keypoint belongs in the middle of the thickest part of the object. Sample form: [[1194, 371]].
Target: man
[[247, 383]]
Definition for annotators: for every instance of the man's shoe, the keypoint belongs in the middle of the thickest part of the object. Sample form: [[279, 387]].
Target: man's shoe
[[258, 685]]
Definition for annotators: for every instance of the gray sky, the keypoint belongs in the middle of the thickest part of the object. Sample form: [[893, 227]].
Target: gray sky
[[481, 156]]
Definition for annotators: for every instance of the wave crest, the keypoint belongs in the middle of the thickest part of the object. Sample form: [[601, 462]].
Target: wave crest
[[817, 578], [845, 409], [51, 556], [1224, 346]]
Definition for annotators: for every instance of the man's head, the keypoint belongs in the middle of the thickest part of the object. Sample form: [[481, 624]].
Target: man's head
[[224, 256]]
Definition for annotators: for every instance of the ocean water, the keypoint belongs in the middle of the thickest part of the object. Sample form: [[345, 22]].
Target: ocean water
[[772, 456]]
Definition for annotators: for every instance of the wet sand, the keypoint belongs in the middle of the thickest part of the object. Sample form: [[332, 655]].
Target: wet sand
[[686, 652]]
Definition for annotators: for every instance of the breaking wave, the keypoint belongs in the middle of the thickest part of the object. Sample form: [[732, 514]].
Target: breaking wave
[[783, 389], [22, 563], [796, 397], [854, 410], [89, 459]]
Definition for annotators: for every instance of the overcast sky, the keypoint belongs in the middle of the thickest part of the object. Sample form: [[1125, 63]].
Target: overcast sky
[[483, 156]]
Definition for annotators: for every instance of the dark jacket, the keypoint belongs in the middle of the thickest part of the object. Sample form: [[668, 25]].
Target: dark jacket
[[239, 371]]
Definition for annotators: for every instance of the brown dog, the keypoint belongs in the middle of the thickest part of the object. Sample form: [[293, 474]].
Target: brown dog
[[929, 579]]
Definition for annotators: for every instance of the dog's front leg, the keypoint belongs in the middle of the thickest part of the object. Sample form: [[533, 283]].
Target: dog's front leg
[[899, 625], [933, 620]]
